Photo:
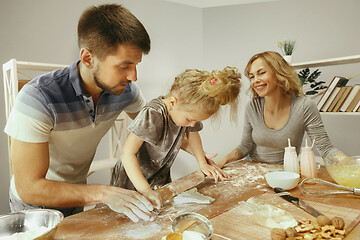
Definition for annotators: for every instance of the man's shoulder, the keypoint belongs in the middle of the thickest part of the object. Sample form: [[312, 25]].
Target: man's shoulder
[[51, 79], [54, 86]]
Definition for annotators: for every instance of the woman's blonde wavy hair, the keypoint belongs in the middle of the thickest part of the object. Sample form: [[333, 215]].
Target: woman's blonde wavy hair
[[208, 91], [285, 74]]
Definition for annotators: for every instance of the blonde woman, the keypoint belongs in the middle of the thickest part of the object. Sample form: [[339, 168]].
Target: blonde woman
[[278, 111], [157, 133]]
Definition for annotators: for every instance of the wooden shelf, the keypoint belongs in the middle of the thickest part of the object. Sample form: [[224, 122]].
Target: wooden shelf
[[328, 62], [341, 113]]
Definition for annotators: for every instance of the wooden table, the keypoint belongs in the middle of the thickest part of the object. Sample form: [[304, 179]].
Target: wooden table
[[248, 181]]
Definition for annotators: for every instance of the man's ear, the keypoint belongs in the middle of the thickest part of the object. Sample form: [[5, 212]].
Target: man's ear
[[87, 57]]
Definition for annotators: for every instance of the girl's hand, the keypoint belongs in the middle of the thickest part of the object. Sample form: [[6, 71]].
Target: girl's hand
[[209, 159], [214, 171], [153, 196]]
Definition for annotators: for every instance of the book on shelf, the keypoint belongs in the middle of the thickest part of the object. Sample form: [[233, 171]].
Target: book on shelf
[[357, 107], [330, 99], [344, 91], [335, 82], [350, 97], [354, 102]]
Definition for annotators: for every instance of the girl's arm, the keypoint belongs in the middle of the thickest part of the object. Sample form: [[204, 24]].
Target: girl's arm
[[185, 145], [194, 143], [187, 148], [132, 168]]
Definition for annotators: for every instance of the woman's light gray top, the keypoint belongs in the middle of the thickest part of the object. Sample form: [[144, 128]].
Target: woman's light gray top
[[267, 145]]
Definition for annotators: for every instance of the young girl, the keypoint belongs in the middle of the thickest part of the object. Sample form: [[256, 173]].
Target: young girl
[[278, 111], [158, 132]]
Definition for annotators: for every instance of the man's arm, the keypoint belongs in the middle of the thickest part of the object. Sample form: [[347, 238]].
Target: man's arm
[[30, 164]]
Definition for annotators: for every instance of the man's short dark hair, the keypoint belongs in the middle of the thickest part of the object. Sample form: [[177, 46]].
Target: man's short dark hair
[[102, 28]]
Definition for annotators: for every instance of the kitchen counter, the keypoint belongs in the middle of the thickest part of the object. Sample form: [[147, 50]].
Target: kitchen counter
[[248, 181]]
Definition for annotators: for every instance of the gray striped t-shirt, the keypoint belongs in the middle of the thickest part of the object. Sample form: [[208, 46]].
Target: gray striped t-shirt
[[51, 108]]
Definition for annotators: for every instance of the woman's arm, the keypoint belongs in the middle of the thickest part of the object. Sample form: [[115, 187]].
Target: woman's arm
[[233, 156]]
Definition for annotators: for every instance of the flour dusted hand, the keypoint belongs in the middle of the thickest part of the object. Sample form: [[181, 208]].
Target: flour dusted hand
[[132, 204]]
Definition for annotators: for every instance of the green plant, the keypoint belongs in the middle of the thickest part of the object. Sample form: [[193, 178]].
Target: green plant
[[307, 77], [287, 47]]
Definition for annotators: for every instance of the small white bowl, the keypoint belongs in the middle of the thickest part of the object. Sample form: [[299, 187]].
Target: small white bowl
[[282, 179]]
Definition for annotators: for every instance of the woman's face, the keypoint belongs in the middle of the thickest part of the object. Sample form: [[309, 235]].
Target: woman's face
[[262, 78]]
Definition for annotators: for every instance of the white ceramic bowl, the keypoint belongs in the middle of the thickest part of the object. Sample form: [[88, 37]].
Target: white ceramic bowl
[[282, 179]]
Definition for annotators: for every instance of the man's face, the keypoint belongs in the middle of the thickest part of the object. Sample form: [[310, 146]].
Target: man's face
[[116, 71]]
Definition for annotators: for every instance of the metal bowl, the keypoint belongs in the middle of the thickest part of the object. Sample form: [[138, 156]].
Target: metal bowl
[[344, 171], [30, 224], [202, 224]]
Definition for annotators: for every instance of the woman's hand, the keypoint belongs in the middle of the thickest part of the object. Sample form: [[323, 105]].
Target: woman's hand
[[214, 171]]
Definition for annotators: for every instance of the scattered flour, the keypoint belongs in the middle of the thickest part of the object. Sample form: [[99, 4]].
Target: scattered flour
[[146, 231]]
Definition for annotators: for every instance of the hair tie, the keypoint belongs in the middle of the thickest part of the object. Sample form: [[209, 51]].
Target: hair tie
[[213, 81]]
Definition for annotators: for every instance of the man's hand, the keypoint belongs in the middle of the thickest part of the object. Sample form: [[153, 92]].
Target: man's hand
[[131, 203]]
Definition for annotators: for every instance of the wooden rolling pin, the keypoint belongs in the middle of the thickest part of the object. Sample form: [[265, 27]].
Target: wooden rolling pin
[[172, 189]]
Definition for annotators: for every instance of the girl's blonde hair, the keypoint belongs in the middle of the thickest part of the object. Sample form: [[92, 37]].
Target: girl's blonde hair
[[208, 90], [286, 76]]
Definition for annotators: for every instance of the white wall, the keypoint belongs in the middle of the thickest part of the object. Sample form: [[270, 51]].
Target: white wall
[[45, 31], [322, 29], [182, 37]]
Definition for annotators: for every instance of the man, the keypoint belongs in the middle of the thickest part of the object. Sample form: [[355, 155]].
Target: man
[[60, 117]]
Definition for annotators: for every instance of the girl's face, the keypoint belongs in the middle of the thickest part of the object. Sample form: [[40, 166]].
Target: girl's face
[[262, 78], [183, 116]]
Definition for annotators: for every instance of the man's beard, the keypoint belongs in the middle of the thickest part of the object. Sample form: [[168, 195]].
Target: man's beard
[[106, 88]]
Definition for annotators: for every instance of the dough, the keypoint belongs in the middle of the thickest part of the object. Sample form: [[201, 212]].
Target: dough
[[268, 215], [192, 196]]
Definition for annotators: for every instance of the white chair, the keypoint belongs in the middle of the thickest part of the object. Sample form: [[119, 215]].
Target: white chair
[[12, 85]]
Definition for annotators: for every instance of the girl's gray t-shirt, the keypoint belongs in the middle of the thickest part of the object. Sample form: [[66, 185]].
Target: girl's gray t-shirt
[[268, 145], [162, 141]]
